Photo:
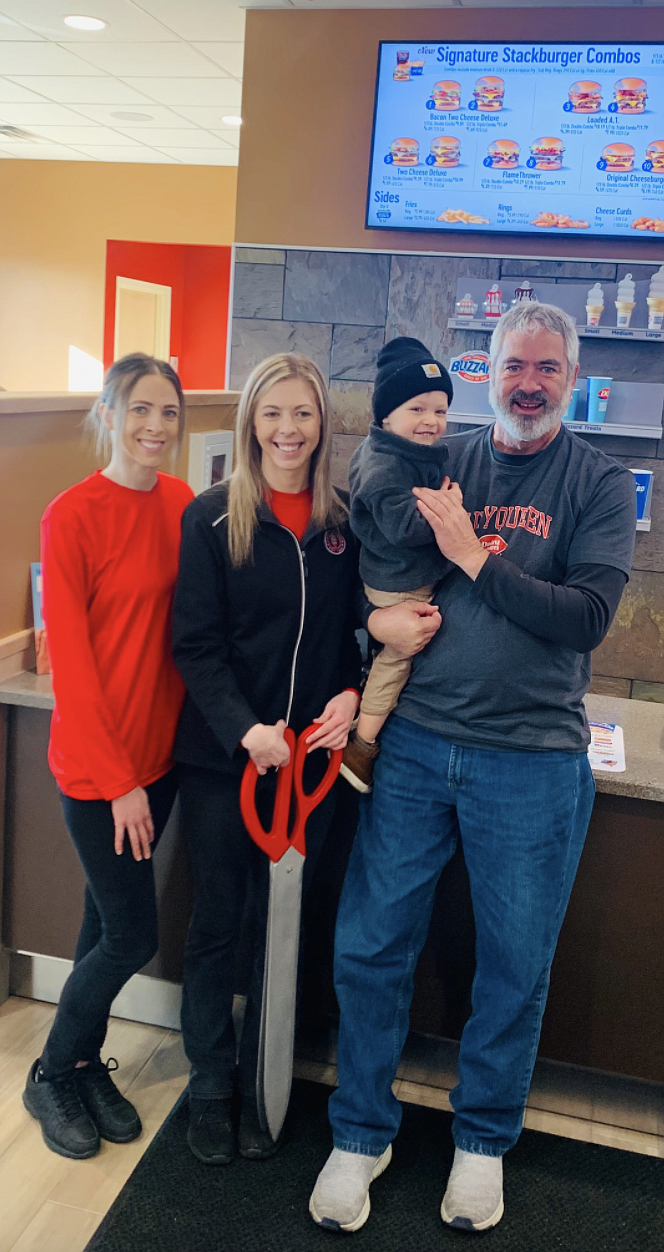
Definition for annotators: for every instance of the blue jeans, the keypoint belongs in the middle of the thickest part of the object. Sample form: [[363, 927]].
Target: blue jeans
[[522, 819]]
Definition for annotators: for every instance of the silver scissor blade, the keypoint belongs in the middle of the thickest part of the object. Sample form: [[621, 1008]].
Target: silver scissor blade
[[275, 1048]]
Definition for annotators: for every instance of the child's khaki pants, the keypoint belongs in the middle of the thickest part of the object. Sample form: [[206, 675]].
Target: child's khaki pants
[[390, 671]]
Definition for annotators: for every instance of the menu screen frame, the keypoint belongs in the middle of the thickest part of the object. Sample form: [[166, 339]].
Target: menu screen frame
[[486, 228]]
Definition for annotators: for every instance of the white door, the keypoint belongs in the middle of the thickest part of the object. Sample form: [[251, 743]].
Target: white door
[[142, 318]]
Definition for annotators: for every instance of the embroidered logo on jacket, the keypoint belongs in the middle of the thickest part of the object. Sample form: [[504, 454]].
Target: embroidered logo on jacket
[[335, 542]]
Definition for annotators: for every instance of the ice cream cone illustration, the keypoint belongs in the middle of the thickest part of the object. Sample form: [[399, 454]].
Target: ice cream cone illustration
[[655, 300], [594, 305], [625, 300]]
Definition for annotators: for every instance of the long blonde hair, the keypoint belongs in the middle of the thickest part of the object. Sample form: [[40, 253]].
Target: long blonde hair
[[248, 486]]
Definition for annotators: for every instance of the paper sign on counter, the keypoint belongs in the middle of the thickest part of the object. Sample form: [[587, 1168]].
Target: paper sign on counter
[[607, 748]]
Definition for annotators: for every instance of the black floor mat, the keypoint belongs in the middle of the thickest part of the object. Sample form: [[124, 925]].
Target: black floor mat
[[560, 1195]]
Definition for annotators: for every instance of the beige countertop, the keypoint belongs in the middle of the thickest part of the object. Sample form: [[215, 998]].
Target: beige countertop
[[23, 402], [642, 723]]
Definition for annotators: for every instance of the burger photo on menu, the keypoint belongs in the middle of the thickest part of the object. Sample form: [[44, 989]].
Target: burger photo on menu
[[546, 153], [446, 94], [618, 156], [503, 154], [405, 152], [445, 150], [489, 93], [630, 95], [655, 154], [585, 96]]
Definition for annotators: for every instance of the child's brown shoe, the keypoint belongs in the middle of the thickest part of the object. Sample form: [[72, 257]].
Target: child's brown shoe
[[358, 763]]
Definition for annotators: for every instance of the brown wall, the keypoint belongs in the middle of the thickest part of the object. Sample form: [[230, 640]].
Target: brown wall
[[308, 108], [40, 455], [55, 219]]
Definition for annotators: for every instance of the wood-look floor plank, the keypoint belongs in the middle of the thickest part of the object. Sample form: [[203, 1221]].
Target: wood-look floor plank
[[57, 1228]]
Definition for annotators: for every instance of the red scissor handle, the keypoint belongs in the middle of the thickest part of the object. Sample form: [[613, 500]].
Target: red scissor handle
[[277, 840]]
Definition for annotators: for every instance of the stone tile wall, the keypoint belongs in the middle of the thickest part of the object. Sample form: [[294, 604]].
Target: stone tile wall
[[340, 307]]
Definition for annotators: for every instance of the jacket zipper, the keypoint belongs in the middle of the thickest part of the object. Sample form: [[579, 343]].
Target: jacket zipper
[[303, 587]]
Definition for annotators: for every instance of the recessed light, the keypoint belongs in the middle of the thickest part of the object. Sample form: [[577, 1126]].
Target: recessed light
[[133, 117], [231, 120], [80, 22]]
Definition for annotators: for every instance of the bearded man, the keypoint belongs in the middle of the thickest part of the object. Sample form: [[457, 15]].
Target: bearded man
[[487, 746]]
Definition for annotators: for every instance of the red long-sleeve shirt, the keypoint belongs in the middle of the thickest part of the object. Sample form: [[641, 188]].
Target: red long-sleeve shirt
[[109, 563]]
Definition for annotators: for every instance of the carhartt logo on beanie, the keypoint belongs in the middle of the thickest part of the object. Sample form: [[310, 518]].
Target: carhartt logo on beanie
[[406, 369]]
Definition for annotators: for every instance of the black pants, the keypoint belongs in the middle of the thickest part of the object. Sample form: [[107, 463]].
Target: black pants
[[227, 869], [119, 931]]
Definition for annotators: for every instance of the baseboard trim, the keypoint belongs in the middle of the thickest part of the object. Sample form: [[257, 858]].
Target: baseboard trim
[[151, 1000]]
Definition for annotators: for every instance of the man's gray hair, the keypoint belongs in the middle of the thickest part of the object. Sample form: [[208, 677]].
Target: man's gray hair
[[528, 318]]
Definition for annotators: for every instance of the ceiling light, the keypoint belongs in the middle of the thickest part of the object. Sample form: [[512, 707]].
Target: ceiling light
[[80, 22], [133, 117], [231, 120]]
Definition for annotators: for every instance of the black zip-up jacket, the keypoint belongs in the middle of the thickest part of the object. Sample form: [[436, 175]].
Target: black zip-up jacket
[[272, 638]]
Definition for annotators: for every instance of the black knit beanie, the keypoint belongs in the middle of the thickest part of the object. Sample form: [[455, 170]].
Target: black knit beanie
[[405, 369]]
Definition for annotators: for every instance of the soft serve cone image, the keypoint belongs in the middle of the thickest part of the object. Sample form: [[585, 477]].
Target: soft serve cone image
[[655, 299], [625, 300], [594, 305]]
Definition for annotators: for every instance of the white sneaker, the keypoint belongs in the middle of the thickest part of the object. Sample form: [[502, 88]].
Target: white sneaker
[[474, 1196], [340, 1199]]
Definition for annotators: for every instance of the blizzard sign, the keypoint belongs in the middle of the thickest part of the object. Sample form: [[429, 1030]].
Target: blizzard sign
[[473, 367]]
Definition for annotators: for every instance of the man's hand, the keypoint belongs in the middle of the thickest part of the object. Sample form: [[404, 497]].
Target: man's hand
[[452, 527], [407, 627], [266, 746], [335, 722], [131, 813]]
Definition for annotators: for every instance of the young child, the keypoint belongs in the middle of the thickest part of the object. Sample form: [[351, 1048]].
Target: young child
[[399, 557]]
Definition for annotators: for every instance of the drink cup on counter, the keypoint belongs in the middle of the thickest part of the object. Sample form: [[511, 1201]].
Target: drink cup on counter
[[643, 480], [598, 398], [570, 415]]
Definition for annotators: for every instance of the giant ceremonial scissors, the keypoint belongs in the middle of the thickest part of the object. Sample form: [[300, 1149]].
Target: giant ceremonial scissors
[[286, 849]]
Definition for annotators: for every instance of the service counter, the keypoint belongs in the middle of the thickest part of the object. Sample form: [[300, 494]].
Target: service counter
[[606, 1008]]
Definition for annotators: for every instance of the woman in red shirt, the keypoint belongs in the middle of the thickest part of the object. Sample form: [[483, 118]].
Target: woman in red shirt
[[110, 549]]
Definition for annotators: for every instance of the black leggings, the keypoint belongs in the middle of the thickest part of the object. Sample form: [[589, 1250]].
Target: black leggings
[[226, 868], [119, 931]]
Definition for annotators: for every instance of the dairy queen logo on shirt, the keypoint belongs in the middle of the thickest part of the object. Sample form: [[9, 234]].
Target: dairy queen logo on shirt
[[473, 367], [335, 542]]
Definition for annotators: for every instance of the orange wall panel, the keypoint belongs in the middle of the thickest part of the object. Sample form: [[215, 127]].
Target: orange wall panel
[[55, 220]]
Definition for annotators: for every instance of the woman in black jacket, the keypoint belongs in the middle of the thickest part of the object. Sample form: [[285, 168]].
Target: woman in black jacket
[[264, 637]]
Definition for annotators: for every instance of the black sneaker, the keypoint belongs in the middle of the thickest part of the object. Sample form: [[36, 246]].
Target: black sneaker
[[255, 1143], [66, 1125], [211, 1136], [115, 1118]]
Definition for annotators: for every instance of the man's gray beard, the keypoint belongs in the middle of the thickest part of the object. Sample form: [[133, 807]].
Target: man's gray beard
[[527, 429]]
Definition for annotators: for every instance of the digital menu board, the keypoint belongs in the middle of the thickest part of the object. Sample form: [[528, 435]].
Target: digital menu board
[[527, 138]]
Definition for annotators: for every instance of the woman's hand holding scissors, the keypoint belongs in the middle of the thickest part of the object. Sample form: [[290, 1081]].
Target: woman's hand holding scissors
[[266, 746], [334, 722]]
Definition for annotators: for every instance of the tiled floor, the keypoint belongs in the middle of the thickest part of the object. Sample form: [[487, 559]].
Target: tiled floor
[[49, 1204]]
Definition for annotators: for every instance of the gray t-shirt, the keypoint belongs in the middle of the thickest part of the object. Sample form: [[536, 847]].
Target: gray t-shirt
[[484, 680]]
